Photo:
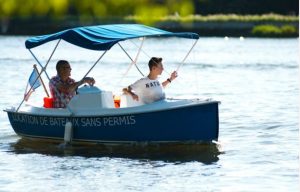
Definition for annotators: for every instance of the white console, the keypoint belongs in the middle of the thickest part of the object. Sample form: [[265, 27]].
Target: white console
[[91, 98]]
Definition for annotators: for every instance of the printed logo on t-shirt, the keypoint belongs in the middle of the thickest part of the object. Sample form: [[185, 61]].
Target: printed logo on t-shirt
[[152, 84]]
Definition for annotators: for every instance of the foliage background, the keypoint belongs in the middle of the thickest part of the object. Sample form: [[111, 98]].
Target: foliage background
[[39, 16]]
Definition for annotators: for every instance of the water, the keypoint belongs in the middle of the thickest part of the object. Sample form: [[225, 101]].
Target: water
[[257, 81]]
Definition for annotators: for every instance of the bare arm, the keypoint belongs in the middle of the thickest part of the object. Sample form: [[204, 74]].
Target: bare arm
[[72, 87], [129, 91], [169, 80]]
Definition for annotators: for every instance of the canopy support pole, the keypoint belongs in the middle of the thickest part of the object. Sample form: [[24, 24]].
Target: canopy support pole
[[95, 63], [38, 62], [43, 70], [182, 62], [35, 68], [133, 61], [165, 71], [141, 49]]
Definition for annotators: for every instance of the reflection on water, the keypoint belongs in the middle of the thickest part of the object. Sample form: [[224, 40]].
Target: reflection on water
[[205, 153]]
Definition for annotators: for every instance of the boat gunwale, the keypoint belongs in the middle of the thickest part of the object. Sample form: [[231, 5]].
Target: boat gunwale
[[133, 112]]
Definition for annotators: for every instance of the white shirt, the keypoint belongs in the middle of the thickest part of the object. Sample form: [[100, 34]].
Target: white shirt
[[148, 90]]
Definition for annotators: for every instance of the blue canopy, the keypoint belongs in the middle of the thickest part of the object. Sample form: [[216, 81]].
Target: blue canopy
[[103, 37]]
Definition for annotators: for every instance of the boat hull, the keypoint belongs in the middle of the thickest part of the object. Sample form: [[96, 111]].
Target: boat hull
[[196, 123]]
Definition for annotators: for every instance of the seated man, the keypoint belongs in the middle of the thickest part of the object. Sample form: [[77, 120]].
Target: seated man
[[62, 87], [149, 89]]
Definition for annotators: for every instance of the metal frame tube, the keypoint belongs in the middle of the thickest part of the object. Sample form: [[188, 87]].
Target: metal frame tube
[[182, 62], [43, 70], [95, 64], [133, 61]]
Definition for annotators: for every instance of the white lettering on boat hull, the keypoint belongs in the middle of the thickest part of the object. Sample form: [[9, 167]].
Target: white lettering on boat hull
[[76, 121]]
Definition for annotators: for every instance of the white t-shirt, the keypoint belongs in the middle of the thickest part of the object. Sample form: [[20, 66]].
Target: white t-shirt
[[148, 90]]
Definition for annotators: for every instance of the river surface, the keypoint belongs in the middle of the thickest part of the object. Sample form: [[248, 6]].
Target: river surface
[[256, 80]]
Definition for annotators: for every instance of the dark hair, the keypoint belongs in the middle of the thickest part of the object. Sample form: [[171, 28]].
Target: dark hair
[[60, 63], [154, 61]]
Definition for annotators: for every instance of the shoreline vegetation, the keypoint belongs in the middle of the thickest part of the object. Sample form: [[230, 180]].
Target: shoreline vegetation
[[265, 25]]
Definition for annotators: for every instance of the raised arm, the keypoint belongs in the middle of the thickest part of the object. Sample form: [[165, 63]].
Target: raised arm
[[169, 80]]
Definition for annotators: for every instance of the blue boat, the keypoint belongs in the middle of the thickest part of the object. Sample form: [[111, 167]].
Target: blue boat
[[91, 116]]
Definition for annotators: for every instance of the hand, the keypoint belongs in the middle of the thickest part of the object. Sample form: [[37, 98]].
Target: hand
[[135, 97], [173, 75], [89, 80]]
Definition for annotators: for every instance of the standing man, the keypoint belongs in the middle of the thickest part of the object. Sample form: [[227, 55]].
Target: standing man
[[63, 87]]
